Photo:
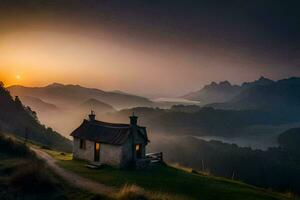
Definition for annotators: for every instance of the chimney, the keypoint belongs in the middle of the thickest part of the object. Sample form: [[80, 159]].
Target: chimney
[[133, 120], [92, 116]]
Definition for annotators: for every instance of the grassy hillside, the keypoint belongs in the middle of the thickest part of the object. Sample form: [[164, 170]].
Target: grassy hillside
[[23, 176], [187, 184], [23, 122]]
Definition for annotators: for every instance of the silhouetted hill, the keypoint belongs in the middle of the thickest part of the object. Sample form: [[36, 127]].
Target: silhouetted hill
[[72, 95], [97, 106], [185, 108], [38, 104], [290, 140], [223, 91], [273, 168], [22, 121], [201, 122], [261, 81], [214, 92], [282, 95]]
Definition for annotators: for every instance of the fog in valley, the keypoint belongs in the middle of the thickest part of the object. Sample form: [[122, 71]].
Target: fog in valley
[[65, 120], [242, 136]]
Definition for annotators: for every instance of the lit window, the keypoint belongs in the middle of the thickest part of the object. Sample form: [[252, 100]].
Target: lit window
[[138, 150], [97, 147], [137, 147]]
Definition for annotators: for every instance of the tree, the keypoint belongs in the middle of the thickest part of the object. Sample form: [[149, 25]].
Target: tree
[[32, 113], [49, 130], [18, 101]]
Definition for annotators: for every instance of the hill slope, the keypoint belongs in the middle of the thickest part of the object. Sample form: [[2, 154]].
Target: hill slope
[[97, 106], [214, 92], [223, 91], [185, 183], [282, 95], [72, 95], [22, 121], [38, 104], [24, 176], [290, 140]]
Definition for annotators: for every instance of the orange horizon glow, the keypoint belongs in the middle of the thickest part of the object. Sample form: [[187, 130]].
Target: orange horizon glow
[[96, 58], [43, 57]]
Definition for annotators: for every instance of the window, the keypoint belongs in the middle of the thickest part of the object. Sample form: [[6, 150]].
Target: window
[[82, 144], [138, 150], [97, 146], [97, 152]]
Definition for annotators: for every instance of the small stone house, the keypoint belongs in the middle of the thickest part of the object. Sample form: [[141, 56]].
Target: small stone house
[[119, 145]]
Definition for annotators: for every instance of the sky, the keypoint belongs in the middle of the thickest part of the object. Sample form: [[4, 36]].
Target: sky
[[152, 48]]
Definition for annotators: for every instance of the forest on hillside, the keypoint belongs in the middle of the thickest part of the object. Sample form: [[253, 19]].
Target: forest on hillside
[[22, 121], [276, 168]]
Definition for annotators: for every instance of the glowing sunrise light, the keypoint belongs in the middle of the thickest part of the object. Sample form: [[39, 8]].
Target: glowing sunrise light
[[18, 77]]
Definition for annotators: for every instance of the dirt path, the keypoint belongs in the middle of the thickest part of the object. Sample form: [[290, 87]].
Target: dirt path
[[73, 178]]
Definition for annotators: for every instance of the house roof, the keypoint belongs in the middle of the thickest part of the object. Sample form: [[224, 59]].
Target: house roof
[[105, 132]]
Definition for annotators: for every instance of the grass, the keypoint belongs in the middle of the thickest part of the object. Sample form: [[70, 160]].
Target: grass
[[169, 180], [23, 178], [134, 192]]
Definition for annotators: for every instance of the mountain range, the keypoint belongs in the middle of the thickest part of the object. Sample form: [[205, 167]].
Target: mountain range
[[276, 96], [67, 96], [223, 91], [38, 104], [64, 106], [280, 99]]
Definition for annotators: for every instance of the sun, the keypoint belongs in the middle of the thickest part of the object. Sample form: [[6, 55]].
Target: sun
[[18, 77]]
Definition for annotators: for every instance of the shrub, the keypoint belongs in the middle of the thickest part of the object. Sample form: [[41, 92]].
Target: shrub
[[13, 147], [132, 192], [30, 177], [46, 147]]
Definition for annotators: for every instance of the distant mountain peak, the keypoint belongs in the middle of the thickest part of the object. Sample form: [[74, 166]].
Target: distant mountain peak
[[259, 82], [120, 92], [220, 85], [224, 90], [93, 103], [262, 78], [227, 83], [63, 85], [55, 85], [213, 83]]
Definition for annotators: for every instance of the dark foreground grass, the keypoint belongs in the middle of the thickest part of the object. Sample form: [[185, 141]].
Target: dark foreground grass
[[27, 179], [167, 179], [23, 176]]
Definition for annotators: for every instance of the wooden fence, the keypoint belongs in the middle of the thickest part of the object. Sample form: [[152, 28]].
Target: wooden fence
[[155, 157]]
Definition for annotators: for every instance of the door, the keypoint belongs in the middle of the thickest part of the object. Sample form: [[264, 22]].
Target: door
[[97, 152], [138, 151]]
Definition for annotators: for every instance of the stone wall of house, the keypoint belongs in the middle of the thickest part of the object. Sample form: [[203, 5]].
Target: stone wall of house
[[127, 151], [110, 154], [83, 154], [127, 155]]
